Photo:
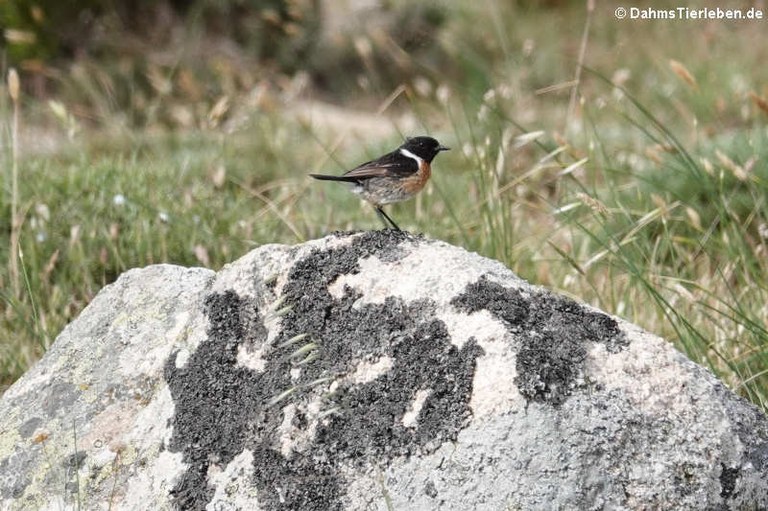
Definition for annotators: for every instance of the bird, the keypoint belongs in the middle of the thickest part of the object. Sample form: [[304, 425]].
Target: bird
[[394, 177]]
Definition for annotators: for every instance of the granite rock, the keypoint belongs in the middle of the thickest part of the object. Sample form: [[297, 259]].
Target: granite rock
[[373, 370]]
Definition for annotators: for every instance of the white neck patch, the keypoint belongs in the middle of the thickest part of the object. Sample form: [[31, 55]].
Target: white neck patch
[[406, 152]]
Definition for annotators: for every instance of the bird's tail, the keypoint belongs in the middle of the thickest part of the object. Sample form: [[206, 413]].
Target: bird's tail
[[344, 179]]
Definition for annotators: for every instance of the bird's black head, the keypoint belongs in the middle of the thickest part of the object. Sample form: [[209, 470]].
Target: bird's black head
[[423, 147]]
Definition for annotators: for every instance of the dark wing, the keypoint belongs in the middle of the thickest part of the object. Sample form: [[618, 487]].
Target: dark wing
[[393, 164]]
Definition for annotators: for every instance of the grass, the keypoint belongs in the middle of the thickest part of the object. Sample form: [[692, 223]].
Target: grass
[[188, 200], [650, 203]]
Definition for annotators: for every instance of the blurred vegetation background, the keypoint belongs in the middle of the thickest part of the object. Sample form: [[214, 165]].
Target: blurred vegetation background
[[623, 162]]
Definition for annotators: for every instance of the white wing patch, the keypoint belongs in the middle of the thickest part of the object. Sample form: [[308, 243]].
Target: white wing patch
[[406, 152]]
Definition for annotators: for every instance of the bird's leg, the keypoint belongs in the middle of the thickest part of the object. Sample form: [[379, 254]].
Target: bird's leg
[[385, 218]]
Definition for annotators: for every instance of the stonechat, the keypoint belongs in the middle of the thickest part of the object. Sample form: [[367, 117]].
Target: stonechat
[[394, 177]]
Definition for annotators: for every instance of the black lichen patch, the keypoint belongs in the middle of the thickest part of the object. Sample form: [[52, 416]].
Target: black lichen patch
[[758, 455], [505, 304], [221, 409], [553, 331], [218, 405], [548, 367], [74, 461], [430, 489], [71, 465], [369, 422], [728, 478], [309, 481]]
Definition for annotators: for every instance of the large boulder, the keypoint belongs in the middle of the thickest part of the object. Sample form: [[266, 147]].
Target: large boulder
[[368, 371]]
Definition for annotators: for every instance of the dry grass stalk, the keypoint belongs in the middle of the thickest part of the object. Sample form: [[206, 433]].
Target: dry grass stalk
[[14, 87], [681, 71], [593, 204], [761, 103], [580, 64], [737, 170]]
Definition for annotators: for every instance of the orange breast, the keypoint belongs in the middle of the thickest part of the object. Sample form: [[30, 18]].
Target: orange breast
[[414, 184]]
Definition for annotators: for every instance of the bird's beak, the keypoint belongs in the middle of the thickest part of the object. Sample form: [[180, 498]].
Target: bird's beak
[[443, 148]]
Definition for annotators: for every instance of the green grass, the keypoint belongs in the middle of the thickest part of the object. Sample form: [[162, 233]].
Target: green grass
[[189, 200], [651, 204]]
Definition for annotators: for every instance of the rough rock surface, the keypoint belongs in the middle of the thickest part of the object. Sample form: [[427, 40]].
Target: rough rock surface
[[368, 371]]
